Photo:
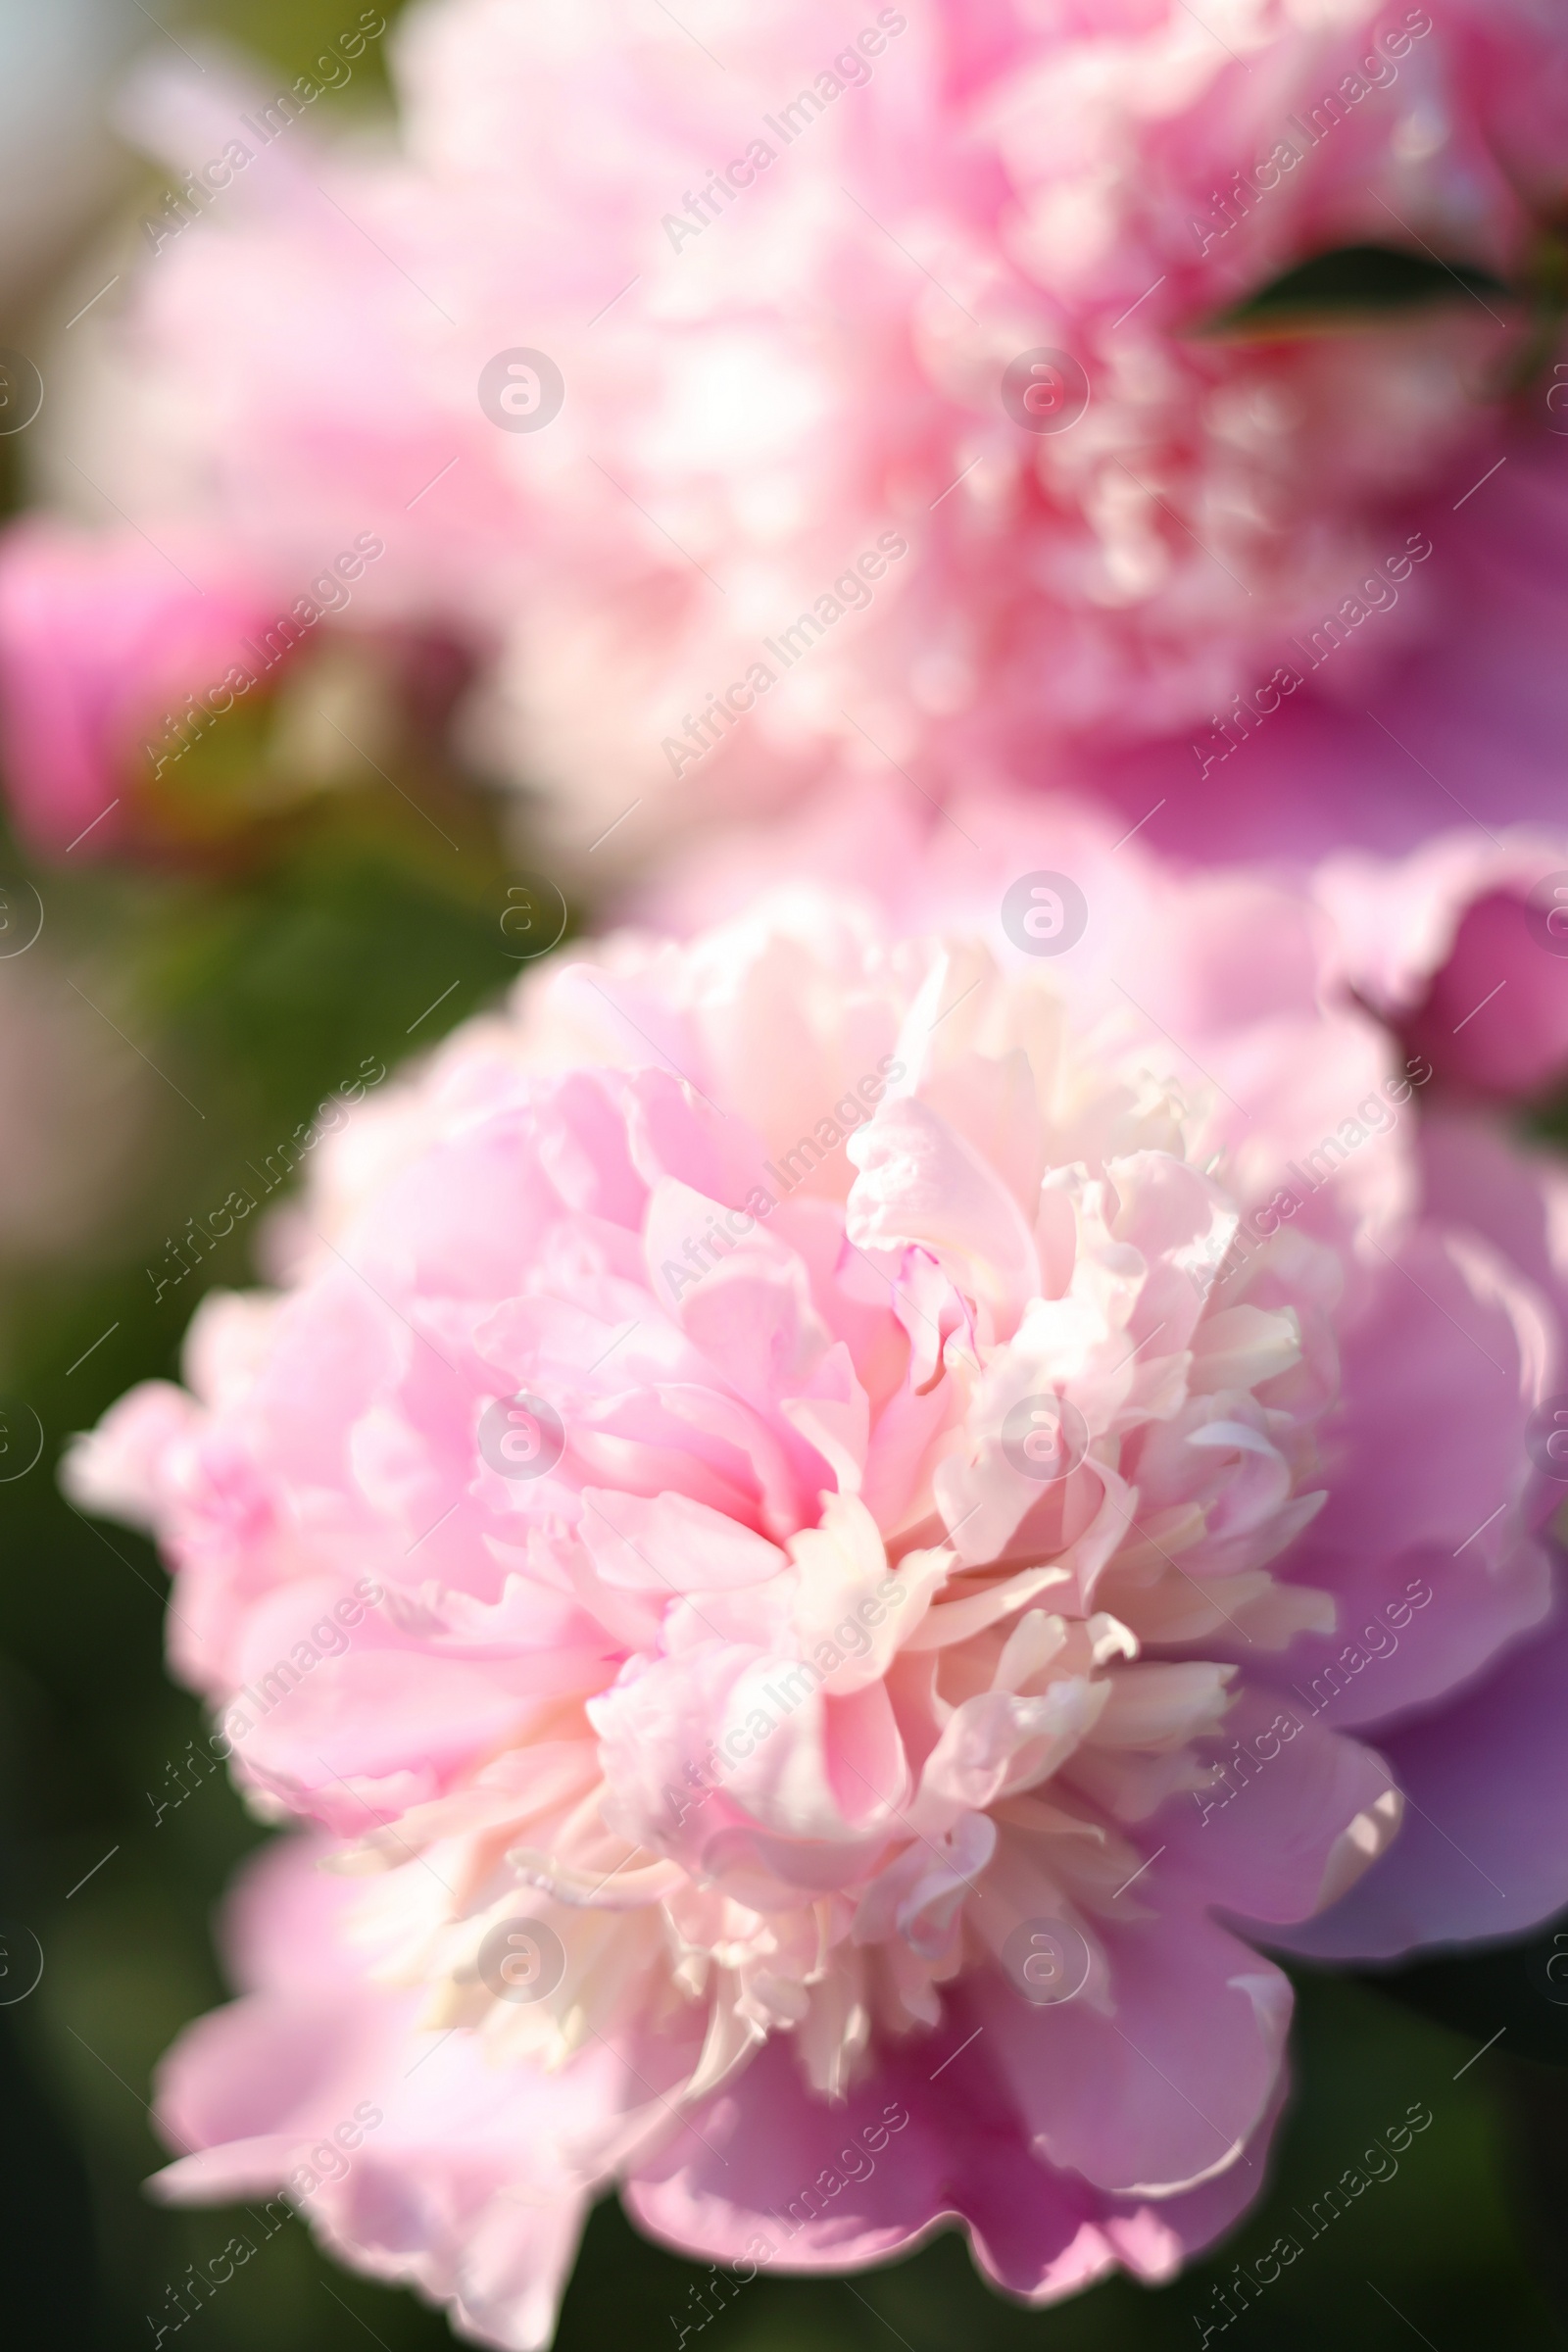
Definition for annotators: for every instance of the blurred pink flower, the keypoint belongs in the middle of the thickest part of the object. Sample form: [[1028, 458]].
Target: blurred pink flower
[[775, 427], [822, 1531], [112, 661], [1461, 723]]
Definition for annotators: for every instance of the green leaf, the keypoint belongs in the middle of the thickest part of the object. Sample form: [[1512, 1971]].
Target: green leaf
[[1356, 286]]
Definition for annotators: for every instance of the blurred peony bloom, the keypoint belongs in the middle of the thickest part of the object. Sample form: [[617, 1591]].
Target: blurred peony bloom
[[994, 373], [836, 1522]]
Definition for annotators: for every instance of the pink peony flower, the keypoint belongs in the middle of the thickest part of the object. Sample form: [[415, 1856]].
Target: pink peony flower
[[791, 413], [836, 1522]]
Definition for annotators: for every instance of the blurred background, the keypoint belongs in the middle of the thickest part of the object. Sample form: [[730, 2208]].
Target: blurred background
[[162, 1030]]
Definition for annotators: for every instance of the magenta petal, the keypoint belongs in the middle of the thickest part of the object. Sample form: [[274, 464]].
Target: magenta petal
[[1425, 1541], [1484, 1849], [1271, 1837], [766, 2175], [1164, 2091]]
